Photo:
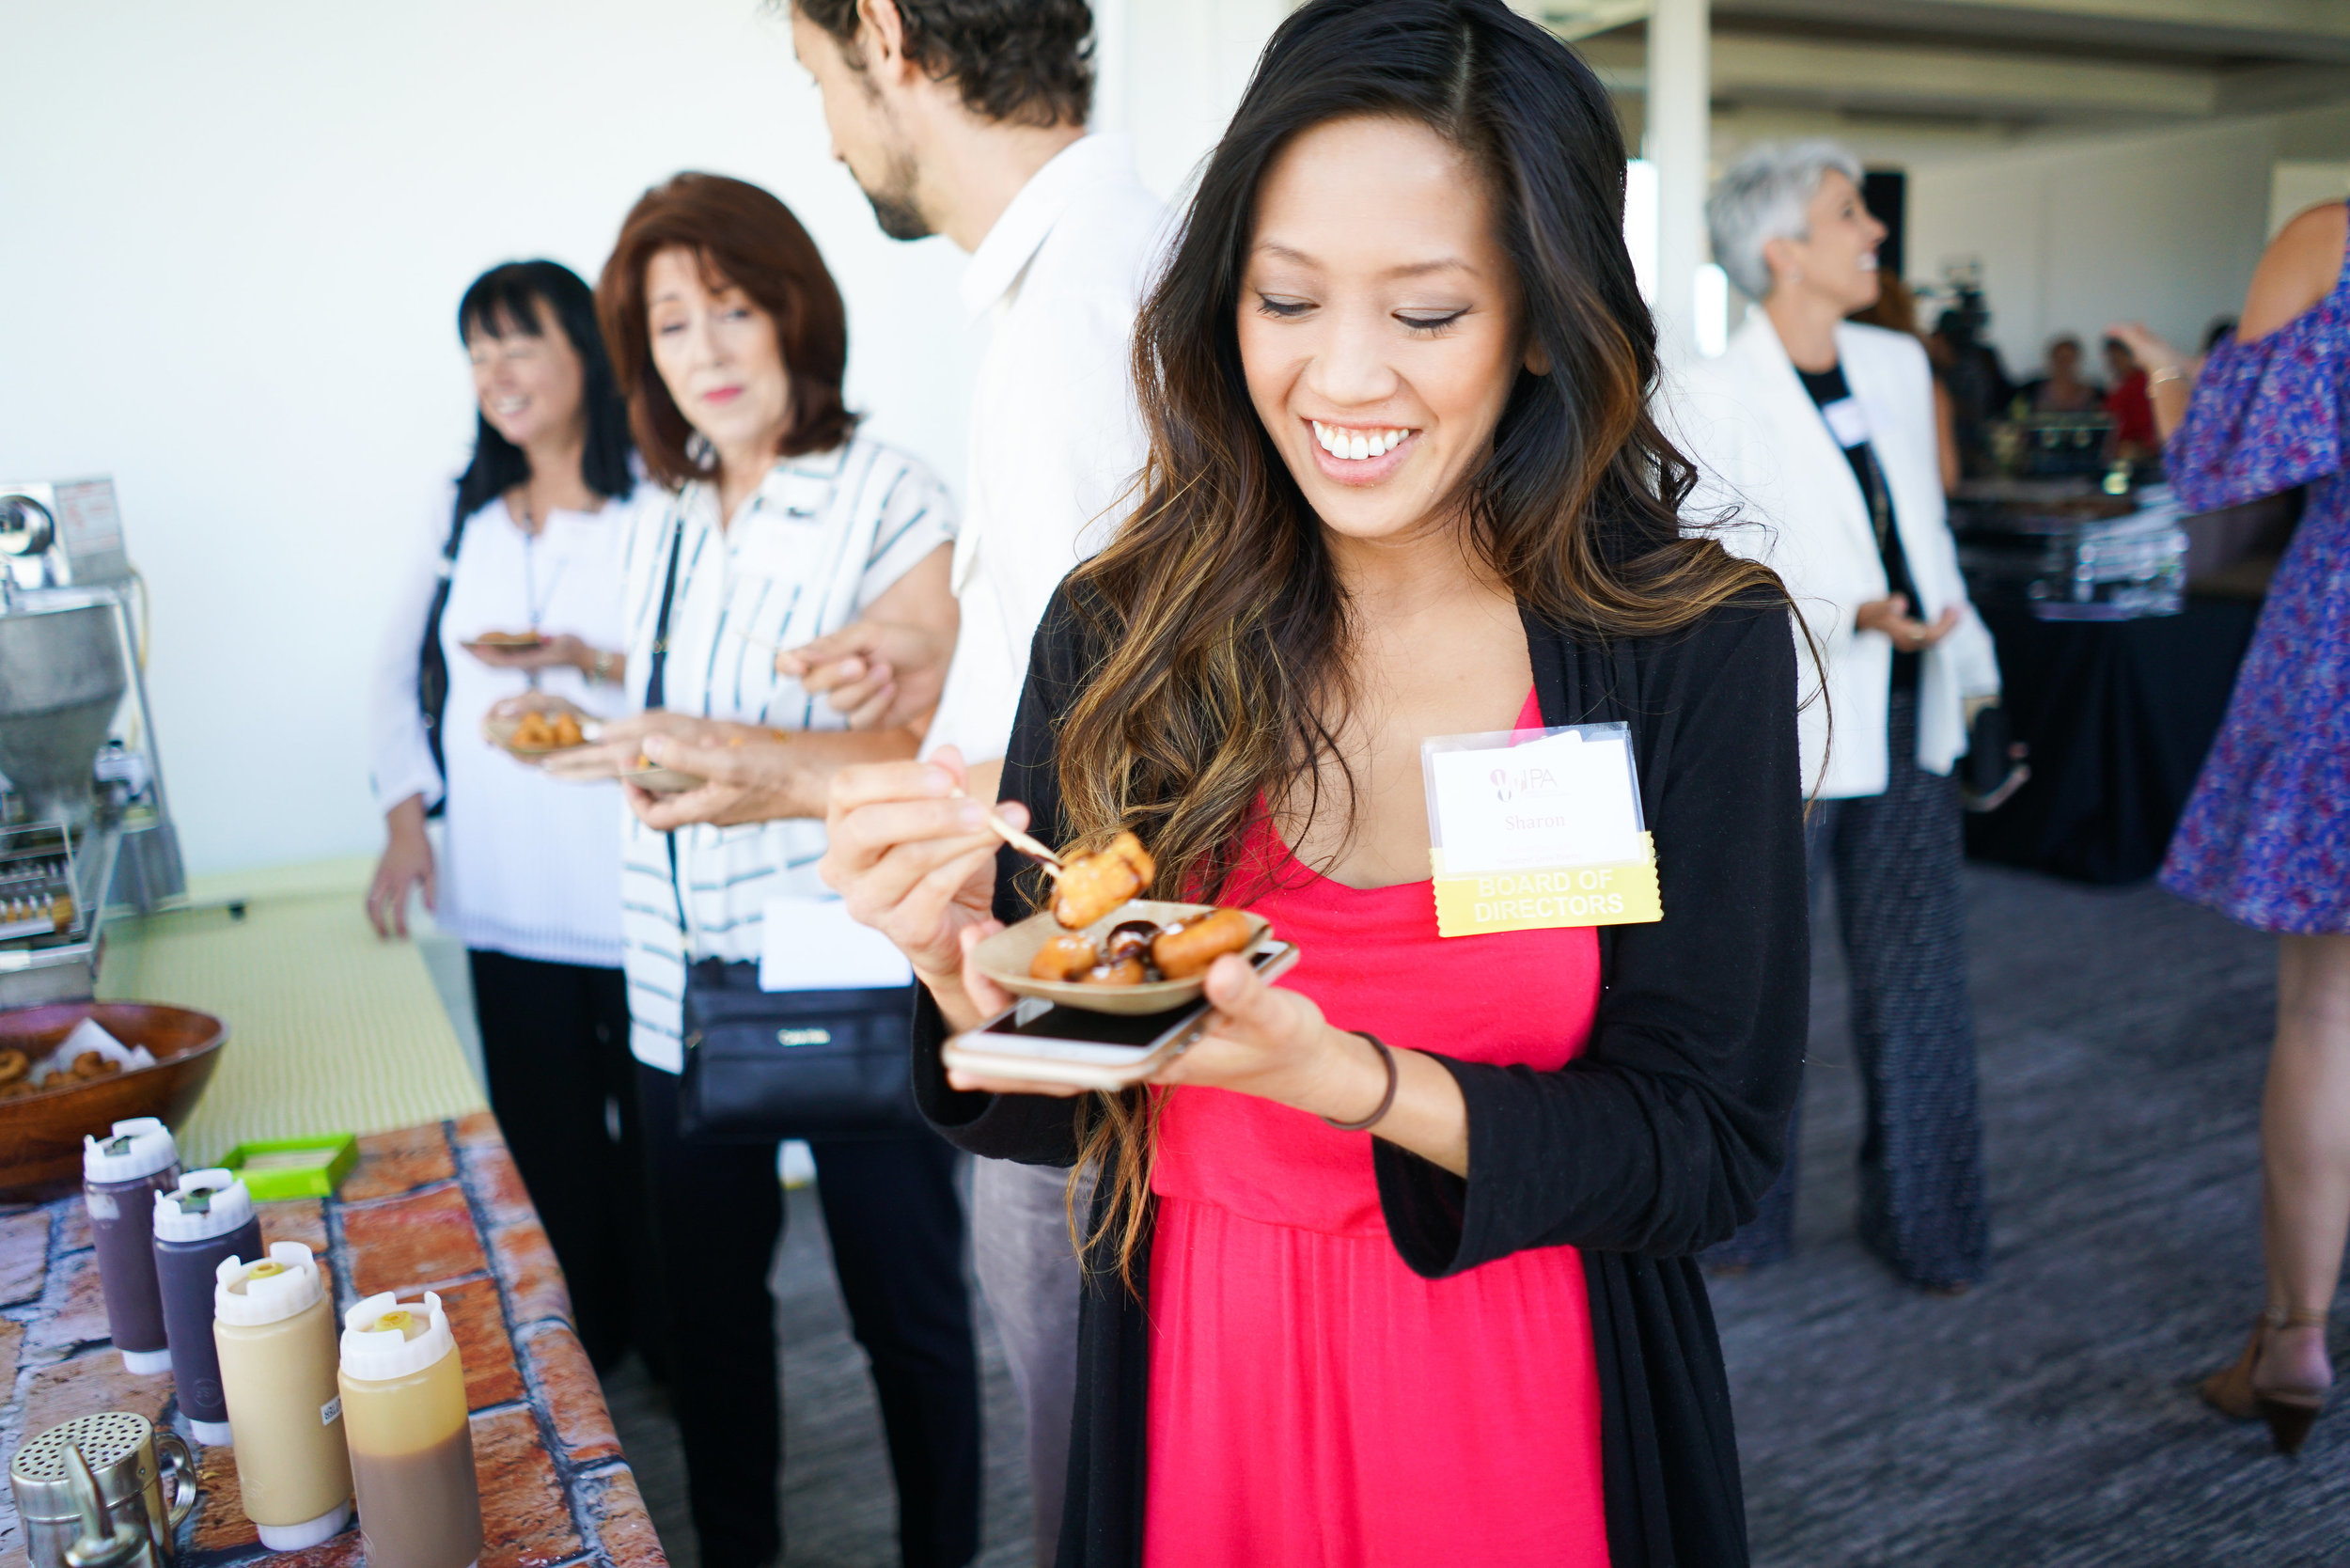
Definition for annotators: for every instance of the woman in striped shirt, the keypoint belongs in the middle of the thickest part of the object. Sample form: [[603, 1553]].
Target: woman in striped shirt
[[728, 338]]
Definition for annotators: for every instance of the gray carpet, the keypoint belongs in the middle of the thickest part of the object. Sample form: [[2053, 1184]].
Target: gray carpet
[[2045, 1419]]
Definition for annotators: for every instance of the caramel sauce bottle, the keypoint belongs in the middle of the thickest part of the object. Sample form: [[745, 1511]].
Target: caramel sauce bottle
[[120, 1176], [275, 1328], [411, 1445]]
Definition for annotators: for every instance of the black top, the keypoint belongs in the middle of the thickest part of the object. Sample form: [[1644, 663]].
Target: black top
[[1657, 1142], [1827, 388]]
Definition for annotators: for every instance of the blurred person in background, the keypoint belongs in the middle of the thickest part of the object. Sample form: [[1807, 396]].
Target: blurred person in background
[[2128, 401], [1970, 367], [1822, 434], [730, 340], [532, 543], [2060, 388], [2265, 837], [967, 118]]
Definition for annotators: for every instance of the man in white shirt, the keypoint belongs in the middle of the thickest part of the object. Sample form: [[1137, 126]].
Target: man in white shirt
[[967, 118]]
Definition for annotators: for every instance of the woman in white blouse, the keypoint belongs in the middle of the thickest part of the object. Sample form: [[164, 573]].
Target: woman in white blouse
[[531, 540], [1821, 433], [730, 341]]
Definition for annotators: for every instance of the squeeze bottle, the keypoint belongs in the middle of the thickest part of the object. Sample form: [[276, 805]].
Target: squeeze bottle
[[208, 1217], [411, 1445], [275, 1330], [120, 1176]]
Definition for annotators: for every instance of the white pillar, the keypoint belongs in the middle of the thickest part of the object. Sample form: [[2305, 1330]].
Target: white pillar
[[1112, 49], [1680, 82]]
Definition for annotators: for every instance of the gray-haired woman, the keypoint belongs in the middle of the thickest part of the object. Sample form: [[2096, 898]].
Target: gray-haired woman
[[1822, 432]]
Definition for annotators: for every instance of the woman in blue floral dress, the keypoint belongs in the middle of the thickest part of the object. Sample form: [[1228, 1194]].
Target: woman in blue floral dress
[[2265, 839]]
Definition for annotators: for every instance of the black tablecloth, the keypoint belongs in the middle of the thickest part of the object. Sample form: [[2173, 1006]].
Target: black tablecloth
[[2118, 716]]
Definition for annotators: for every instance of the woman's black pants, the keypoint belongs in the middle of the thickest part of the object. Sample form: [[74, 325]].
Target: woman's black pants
[[555, 1045], [1896, 858], [896, 1224]]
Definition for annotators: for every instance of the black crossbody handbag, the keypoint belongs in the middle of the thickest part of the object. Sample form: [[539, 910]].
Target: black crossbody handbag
[[762, 1066]]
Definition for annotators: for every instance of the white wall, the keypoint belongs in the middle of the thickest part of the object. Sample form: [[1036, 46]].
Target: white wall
[[238, 234], [2166, 229]]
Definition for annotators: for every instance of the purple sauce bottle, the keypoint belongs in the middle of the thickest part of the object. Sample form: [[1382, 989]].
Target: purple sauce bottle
[[120, 1176], [207, 1219]]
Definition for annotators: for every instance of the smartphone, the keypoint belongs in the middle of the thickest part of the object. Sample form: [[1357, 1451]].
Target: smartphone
[[1050, 1042]]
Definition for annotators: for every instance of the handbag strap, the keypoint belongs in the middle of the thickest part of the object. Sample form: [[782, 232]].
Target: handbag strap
[[656, 693]]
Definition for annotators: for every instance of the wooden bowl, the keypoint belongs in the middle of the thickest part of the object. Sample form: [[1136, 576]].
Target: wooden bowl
[[40, 1135], [1004, 958]]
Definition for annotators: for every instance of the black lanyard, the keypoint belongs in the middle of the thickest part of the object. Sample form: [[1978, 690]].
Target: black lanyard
[[656, 673]]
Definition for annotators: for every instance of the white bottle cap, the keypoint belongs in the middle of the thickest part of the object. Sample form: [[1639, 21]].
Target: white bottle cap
[[267, 1290], [293, 1538], [139, 1147], [212, 1434], [205, 1204], [373, 1352]]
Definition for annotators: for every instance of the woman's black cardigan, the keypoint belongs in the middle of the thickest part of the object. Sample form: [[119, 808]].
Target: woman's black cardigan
[[1657, 1141]]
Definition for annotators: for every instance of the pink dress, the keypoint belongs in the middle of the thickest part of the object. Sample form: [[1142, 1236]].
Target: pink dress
[[1313, 1402]]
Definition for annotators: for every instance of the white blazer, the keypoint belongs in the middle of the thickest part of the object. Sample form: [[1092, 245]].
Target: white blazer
[[1763, 451]]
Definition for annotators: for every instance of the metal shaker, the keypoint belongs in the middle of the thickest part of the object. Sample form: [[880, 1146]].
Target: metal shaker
[[135, 1468]]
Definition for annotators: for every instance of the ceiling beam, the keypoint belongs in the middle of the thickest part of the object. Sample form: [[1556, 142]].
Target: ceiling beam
[[1573, 19], [1769, 68], [2281, 29]]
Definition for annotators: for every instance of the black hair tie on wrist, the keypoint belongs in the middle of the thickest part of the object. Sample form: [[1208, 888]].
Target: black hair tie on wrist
[[1387, 1100]]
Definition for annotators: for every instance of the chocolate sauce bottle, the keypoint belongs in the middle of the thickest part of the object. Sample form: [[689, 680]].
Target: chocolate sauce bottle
[[208, 1219], [120, 1176], [411, 1442]]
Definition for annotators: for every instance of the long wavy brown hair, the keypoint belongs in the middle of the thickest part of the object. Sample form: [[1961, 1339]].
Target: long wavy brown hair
[[1221, 626]]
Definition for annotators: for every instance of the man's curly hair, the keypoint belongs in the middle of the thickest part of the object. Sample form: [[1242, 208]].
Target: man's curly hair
[[1021, 62]]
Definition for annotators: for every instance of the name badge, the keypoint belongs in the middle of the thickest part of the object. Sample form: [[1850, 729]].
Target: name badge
[[1535, 829], [812, 944]]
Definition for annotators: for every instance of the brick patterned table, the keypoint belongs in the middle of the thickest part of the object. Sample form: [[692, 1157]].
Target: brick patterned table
[[437, 1207]]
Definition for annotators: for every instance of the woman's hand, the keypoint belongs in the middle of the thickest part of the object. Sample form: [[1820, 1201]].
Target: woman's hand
[[406, 866], [618, 742], [1260, 1039], [914, 858], [1890, 615], [749, 773], [883, 674], [2151, 354]]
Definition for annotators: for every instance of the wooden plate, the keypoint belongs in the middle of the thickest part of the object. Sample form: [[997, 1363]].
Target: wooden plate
[[659, 780], [507, 642], [1005, 957], [499, 732]]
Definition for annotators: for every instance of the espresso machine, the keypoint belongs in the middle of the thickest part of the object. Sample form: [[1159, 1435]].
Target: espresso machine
[[84, 823]]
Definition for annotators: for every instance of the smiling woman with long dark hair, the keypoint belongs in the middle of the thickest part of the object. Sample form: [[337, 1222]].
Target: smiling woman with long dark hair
[[1396, 1263]]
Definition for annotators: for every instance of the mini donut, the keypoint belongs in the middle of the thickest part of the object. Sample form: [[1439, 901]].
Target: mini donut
[[14, 1064], [1130, 940], [91, 1064], [1125, 971], [1064, 958], [1182, 952], [1091, 886]]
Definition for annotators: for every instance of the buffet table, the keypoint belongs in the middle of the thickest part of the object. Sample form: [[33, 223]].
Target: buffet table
[[2118, 716], [438, 1206]]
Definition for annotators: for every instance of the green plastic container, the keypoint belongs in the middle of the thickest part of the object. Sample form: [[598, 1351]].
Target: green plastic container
[[278, 1169]]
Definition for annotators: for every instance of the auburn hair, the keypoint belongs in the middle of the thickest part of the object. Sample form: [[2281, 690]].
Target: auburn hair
[[744, 237], [1219, 623]]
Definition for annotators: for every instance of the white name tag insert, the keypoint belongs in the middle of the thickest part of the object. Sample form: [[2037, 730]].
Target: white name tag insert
[[1536, 829], [810, 944]]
